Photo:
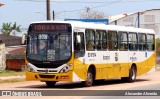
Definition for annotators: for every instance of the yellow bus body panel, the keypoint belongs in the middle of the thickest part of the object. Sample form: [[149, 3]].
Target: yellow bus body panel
[[103, 71]]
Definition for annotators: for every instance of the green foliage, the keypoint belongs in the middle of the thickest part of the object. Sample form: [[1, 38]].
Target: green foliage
[[14, 80], [4, 73], [7, 28], [15, 56], [15, 28]]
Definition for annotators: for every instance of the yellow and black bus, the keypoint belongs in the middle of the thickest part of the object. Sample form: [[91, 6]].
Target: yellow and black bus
[[78, 51]]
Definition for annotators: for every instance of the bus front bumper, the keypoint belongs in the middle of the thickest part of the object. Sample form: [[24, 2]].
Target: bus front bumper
[[49, 76], [69, 76]]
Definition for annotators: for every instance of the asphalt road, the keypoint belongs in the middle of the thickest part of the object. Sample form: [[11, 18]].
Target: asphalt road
[[144, 82]]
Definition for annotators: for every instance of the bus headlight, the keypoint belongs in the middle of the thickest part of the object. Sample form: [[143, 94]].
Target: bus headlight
[[30, 68], [65, 68]]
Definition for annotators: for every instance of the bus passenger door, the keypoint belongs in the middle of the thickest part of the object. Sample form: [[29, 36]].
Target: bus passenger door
[[113, 62], [79, 52]]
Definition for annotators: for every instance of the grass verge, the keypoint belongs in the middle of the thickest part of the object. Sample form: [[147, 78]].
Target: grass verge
[[4, 73], [12, 80]]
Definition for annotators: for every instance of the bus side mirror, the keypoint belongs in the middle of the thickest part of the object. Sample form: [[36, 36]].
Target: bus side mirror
[[78, 37], [23, 39]]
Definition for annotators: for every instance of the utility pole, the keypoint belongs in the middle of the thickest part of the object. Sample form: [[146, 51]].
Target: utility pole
[[138, 15], [53, 15], [48, 9], [115, 22]]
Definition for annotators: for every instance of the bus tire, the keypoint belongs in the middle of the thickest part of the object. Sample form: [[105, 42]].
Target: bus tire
[[132, 74], [125, 79], [100, 81], [50, 83], [89, 80]]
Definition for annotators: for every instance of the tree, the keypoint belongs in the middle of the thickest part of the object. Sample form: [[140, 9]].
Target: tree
[[7, 28], [88, 13], [15, 28]]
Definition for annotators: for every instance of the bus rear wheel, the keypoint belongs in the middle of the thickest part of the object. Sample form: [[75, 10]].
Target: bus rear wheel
[[89, 80], [50, 83], [132, 75]]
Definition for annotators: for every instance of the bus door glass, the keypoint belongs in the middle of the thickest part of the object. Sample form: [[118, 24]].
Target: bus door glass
[[79, 48], [79, 52]]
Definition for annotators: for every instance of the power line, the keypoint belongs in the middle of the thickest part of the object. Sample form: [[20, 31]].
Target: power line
[[106, 3], [69, 1], [92, 7], [65, 1]]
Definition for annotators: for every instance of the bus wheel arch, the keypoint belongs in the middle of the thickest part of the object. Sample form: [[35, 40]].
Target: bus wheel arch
[[132, 74], [91, 73]]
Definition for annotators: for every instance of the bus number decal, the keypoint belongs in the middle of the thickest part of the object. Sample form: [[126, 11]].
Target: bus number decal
[[91, 54], [106, 57], [145, 54], [116, 56], [133, 58]]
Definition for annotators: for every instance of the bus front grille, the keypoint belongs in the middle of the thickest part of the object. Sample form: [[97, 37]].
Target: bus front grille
[[49, 71], [47, 76]]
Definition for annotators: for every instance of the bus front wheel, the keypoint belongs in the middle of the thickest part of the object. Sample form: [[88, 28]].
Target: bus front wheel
[[89, 80], [50, 83]]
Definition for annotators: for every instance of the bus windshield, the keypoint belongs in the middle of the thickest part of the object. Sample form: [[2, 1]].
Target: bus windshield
[[51, 46]]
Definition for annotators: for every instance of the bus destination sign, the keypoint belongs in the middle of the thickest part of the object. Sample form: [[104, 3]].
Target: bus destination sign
[[52, 27]]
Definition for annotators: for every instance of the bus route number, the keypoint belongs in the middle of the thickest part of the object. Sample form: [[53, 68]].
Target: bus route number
[[91, 54]]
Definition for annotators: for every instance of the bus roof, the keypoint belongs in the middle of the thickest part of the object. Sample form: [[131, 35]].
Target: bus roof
[[100, 26]]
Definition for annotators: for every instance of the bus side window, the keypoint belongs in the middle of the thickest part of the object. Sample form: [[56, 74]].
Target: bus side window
[[90, 39], [150, 42], [133, 45], [123, 41], [101, 40], [112, 40], [89, 45], [142, 41]]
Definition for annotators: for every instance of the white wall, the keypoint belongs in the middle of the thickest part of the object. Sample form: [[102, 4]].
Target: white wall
[[149, 19]]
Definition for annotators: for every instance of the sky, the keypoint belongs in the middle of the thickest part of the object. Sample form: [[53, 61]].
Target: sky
[[26, 11]]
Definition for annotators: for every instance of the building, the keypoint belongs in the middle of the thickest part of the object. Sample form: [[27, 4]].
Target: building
[[149, 19], [10, 40], [11, 53]]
